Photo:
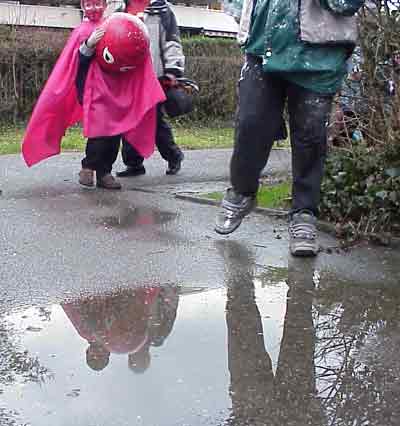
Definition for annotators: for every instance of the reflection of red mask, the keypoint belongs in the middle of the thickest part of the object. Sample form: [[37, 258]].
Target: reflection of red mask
[[93, 9], [137, 7], [125, 44]]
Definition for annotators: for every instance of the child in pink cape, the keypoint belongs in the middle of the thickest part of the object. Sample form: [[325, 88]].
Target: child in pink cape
[[108, 104]]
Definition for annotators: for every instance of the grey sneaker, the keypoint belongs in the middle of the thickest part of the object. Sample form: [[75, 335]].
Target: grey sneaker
[[234, 208], [303, 234]]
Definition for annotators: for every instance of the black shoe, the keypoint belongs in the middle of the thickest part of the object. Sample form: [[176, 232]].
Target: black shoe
[[132, 171], [174, 166]]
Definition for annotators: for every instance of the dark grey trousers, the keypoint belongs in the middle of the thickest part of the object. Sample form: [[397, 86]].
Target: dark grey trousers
[[165, 143], [262, 97]]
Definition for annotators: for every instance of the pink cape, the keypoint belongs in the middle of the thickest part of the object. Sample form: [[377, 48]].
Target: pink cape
[[112, 104], [114, 325]]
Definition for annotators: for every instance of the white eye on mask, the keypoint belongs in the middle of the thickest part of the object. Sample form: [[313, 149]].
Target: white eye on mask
[[107, 56]]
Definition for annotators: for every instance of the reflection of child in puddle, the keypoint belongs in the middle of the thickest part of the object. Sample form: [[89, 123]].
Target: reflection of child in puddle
[[120, 324]]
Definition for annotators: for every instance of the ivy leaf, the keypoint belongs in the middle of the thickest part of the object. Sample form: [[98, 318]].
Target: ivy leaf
[[382, 194], [393, 196], [393, 172]]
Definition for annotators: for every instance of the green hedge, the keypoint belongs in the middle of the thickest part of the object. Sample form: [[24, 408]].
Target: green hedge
[[215, 64], [26, 61], [28, 57], [205, 46]]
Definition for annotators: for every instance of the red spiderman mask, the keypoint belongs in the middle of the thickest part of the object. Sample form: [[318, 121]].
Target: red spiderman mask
[[137, 7], [125, 44], [93, 9]]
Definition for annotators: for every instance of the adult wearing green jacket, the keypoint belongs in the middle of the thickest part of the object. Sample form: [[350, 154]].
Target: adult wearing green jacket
[[296, 52]]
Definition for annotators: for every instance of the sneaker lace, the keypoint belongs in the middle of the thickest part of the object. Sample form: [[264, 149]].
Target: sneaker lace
[[303, 230], [231, 210]]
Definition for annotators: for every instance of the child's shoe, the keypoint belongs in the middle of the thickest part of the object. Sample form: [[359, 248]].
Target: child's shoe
[[108, 182], [86, 177]]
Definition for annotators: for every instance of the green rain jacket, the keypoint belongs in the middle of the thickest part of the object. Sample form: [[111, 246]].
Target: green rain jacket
[[306, 41]]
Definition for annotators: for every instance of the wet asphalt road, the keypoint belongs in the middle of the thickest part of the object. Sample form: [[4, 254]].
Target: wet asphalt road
[[126, 309]]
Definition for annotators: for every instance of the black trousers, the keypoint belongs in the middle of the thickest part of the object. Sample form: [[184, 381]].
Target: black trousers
[[101, 154], [165, 143], [262, 97]]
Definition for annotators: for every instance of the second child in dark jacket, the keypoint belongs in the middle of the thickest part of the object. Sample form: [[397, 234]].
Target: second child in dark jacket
[[168, 61]]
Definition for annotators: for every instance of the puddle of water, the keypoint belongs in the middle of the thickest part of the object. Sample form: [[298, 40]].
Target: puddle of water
[[108, 359], [273, 347]]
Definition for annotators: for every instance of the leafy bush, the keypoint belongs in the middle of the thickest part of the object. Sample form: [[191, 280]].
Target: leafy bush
[[361, 188], [360, 193], [380, 45]]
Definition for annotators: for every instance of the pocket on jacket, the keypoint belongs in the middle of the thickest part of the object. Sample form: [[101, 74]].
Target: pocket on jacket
[[322, 27]]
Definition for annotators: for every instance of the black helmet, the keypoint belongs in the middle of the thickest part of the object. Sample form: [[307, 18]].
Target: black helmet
[[180, 97]]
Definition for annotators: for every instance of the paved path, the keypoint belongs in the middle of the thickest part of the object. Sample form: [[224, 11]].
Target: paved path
[[58, 175], [125, 308]]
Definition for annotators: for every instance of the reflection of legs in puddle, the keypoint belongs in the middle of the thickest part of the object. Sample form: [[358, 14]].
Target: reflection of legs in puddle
[[257, 397], [237, 259], [139, 361], [295, 386], [249, 364], [97, 356]]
